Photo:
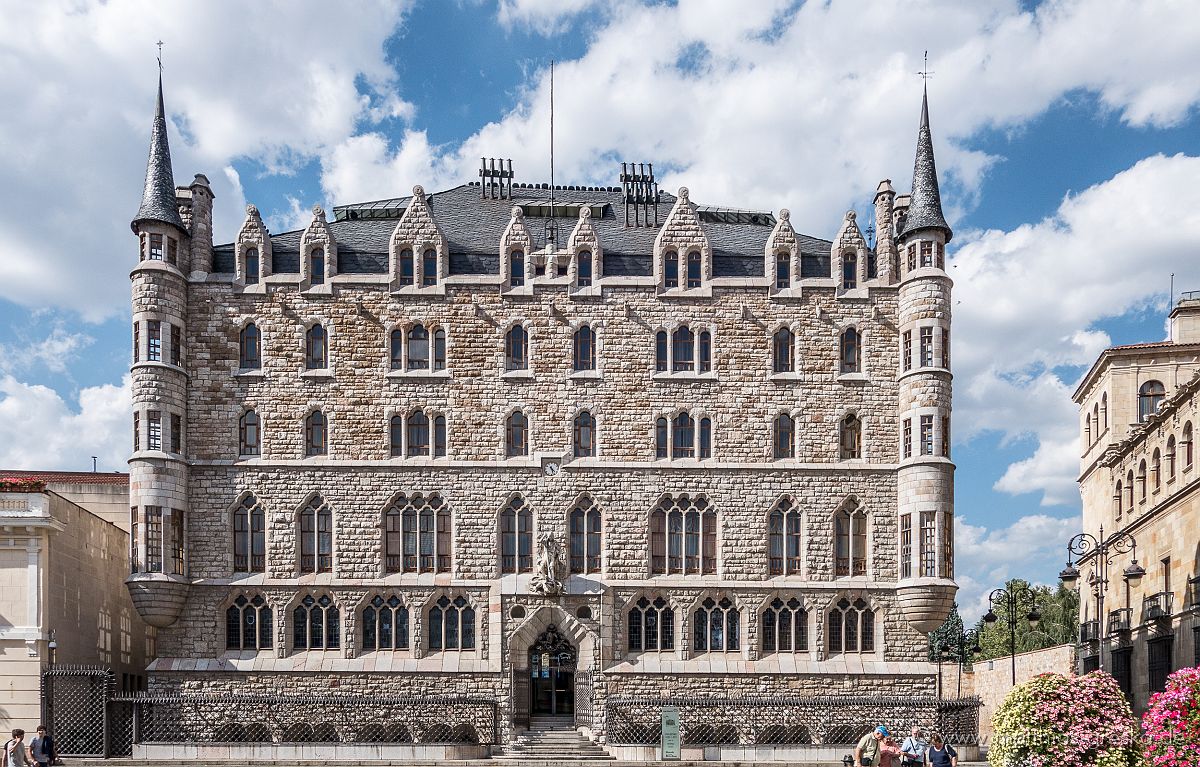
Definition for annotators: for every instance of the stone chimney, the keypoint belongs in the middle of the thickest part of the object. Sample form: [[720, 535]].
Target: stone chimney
[[1185, 319]]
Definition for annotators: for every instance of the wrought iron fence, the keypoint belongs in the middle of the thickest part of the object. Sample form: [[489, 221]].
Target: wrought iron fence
[[75, 700], [1089, 631], [584, 695], [786, 720], [1120, 620], [1158, 606]]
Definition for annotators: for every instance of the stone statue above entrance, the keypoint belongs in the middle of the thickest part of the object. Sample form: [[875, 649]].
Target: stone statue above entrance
[[547, 576]]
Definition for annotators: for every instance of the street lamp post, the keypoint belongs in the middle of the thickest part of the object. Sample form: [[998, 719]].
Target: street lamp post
[[1012, 598], [1086, 545], [961, 640]]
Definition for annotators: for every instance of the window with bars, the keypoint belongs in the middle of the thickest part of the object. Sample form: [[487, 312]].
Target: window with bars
[[316, 348], [906, 544], [682, 349], [683, 536], [1158, 662], [153, 430], [850, 543], [154, 538], [385, 624], [851, 627], [316, 537], [451, 624], [417, 535], [250, 348], [928, 544], [585, 526], [650, 626], [516, 537], [1122, 670], [249, 537], [783, 344], [176, 345], [783, 539], [715, 626], [583, 435], [784, 627], [154, 341], [248, 624], [249, 434], [418, 347], [583, 349], [316, 624]]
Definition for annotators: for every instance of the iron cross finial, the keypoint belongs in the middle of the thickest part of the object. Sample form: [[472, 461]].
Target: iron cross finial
[[160, 45], [925, 72]]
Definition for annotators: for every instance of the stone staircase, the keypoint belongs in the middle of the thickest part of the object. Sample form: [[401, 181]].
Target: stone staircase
[[553, 740]]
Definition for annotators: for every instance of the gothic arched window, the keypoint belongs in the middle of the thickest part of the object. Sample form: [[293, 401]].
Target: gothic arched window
[[584, 435], [451, 625], [408, 269], [660, 351], [849, 271], [516, 537], [715, 627], [683, 536], [316, 348], [249, 537], [1170, 456], [418, 347], [782, 351], [682, 349], [784, 436], [1156, 469], [1118, 499], [416, 536], [583, 269], [516, 348], [783, 270], [784, 627], [851, 437], [516, 268], [429, 267], [516, 435], [250, 348], [694, 276], [249, 434], [316, 624], [248, 624], [316, 434], [1185, 443], [417, 433], [316, 267], [783, 539], [851, 351], [253, 271], [651, 626], [670, 269], [851, 627], [385, 624], [585, 525], [315, 529], [583, 356], [683, 436], [850, 545], [1150, 396]]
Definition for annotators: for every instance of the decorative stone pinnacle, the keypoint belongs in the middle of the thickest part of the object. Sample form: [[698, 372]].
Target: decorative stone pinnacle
[[585, 212], [851, 215], [683, 193], [785, 214], [517, 213], [318, 213], [418, 191], [252, 210]]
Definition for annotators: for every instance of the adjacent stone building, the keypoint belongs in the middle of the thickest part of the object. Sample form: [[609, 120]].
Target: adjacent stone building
[[1139, 410], [567, 448]]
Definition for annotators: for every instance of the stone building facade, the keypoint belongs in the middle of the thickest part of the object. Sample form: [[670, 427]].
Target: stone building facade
[[1139, 407], [553, 446]]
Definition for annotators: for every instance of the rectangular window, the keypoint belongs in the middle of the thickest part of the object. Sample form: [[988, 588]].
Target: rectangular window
[[946, 349], [671, 270], [947, 545], [153, 430], [172, 249], [137, 341], [945, 436], [693, 270], [906, 546], [912, 256], [1122, 670], [134, 560], [926, 254], [176, 434], [1158, 662], [906, 446], [783, 271], [156, 247], [906, 353], [176, 345], [940, 250], [516, 268], [177, 541], [926, 347], [154, 341], [926, 435], [154, 539], [429, 264], [928, 544], [137, 432], [316, 268]]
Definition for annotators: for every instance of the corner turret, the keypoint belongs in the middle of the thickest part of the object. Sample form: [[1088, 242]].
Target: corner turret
[[158, 195], [925, 206]]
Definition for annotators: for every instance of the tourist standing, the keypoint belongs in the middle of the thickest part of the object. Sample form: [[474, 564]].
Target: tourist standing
[[912, 750], [16, 751], [941, 753], [868, 750], [42, 747]]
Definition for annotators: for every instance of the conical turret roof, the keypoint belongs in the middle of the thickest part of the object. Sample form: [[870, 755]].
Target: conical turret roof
[[158, 196], [925, 205]]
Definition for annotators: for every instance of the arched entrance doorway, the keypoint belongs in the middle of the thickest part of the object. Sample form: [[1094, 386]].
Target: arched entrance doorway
[[552, 661]]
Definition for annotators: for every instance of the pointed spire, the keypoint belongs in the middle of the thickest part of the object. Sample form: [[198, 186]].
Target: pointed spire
[[925, 206], [158, 197]]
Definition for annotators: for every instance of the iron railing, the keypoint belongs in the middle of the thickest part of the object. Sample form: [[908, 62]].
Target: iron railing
[[779, 720], [1120, 620], [1089, 631], [1158, 606], [1193, 593]]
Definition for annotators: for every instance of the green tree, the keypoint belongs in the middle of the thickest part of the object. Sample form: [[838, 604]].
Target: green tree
[[1059, 624], [946, 637]]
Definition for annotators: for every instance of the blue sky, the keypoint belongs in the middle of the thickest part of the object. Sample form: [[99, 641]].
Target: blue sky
[[1069, 175]]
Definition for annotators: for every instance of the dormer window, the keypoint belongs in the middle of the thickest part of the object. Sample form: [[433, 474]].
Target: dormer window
[[583, 272], [671, 269], [693, 269], [316, 267], [429, 268], [407, 267], [783, 271], [516, 268], [849, 271], [252, 269]]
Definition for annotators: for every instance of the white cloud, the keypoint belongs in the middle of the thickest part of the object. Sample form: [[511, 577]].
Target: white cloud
[[984, 558], [56, 351], [1027, 301], [39, 430], [546, 17], [271, 81]]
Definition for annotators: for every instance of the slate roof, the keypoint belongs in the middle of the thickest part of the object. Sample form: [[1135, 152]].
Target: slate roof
[[925, 204], [158, 195], [473, 227]]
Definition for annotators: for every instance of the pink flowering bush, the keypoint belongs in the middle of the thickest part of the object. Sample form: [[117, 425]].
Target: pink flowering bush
[[1065, 721], [1172, 725], [22, 485]]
